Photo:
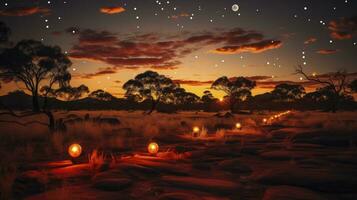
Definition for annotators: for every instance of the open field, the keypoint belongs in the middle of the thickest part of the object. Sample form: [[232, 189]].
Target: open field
[[299, 155]]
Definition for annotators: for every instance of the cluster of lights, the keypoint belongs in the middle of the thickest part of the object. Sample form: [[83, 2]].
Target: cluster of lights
[[275, 117]]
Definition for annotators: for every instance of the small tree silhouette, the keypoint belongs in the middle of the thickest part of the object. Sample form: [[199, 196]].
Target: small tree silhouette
[[149, 86], [288, 92], [237, 89], [101, 95], [179, 96]]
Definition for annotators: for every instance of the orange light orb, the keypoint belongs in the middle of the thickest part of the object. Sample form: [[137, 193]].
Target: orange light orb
[[265, 120], [196, 129], [153, 148], [238, 125], [75, 150], [221, 99]]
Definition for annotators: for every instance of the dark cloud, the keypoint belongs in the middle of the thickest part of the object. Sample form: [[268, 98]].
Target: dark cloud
[[327, 51], [156, 52], [24, 11], [270, 84], [344, 28], [110, 10]]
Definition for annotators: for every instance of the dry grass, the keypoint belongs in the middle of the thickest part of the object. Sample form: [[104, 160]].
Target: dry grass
[[96, 161], [33, 143]]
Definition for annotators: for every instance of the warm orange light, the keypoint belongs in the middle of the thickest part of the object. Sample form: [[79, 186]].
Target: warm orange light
[[265, 120], [196, 129], [221, 99], [75, 150], [153, 148], [238, 125]]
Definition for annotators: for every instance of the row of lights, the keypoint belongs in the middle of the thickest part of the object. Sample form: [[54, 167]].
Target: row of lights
[[274, 117], [75, 150]]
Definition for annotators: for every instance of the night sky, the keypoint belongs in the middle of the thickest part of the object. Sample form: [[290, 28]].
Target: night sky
[[192, 41]]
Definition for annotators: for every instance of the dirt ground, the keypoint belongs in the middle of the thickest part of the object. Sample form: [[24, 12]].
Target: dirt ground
[[291, 155]]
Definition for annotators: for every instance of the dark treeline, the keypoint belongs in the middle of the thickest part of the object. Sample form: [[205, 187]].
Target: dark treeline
[[18, 100]]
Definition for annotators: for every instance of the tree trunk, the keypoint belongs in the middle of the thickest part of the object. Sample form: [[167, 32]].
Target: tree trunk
[[334, 103], [51, 120], [232, 103], [153, 106], [35, 103]]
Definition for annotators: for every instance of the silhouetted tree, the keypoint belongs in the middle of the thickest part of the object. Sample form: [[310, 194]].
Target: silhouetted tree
[[183, 97], [101, 95], [288, 92], [149, 86], [207, 97], [34, 64], [335, 84], [237, 89]]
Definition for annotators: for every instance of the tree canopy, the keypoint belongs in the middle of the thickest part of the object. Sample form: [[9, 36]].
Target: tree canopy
[[288, 92], [237, 89], [149, 86], [101, 95]]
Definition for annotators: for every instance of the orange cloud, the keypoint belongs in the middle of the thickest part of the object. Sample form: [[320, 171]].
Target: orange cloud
[[252, 47], [180, 15], [24, 11], [310, 40], [327, 51], [192, 82], [112, 10], [102, 72]]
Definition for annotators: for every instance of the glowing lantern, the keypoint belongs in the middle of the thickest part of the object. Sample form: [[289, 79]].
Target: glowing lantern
[[265, 120], [238, 125], [75, 150], [153, 148], [196, 129]]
